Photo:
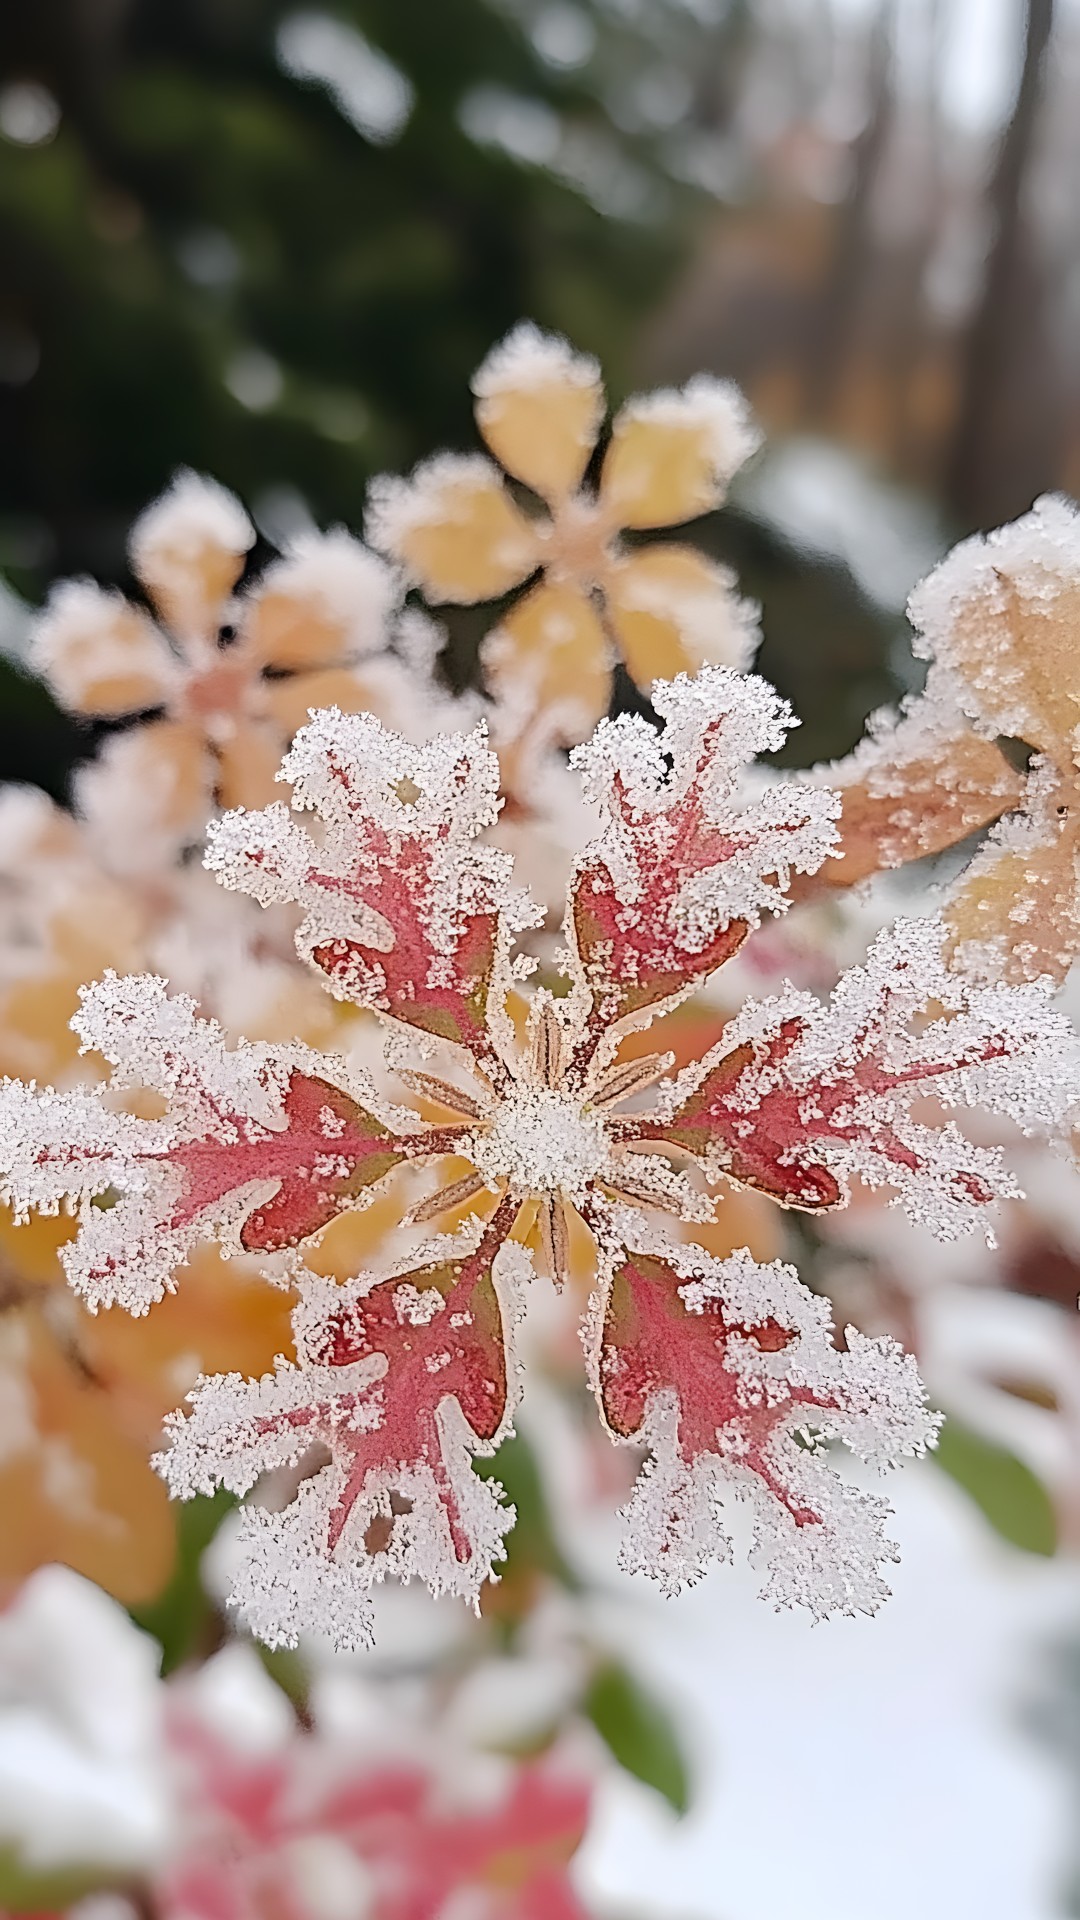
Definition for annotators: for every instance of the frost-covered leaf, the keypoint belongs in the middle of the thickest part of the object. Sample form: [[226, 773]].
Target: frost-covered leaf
[[674, 611], [1014, 914], [100, 655], [453, 529], [798, 1098], [314, 629], [258, 1147], [539, 406], [918, 783], [682, 869], [997, 620], [315, 1824], [401, 1380], [326, 600], [403, 1377], [457, 530], [548, 664], [672, 453], [999, 617], [406, 910], [726, 1371], [188, 551]]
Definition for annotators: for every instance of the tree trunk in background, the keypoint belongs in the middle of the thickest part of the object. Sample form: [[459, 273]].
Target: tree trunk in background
[[1008, 434], [838, 314]]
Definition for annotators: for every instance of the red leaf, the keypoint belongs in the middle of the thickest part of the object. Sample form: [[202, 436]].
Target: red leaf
[[329, 1151], [727, 1372], [454, 1012], [400, 1382], [799, 1097], [454, 1348], [683, 868], [327, 1154], [405, 905], [651, 1344], [775, 1153], [635, 960]]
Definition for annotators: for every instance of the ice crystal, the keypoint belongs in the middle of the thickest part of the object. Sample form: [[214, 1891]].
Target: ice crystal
[[458, 532], [402, 1374]]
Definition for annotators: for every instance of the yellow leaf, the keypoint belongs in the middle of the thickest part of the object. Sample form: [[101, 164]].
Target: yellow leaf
[[188, 549], [455, 530], [913, 794], [1018, 912], [74, 1487], [673, 611], [247, 765], [672, 454], [224, 1318], [291, 631], [549, 661], [539, 406], [1002, 614], [101, 656]]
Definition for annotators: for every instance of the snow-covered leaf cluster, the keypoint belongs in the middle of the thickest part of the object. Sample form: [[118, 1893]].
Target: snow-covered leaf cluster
[[405, 1371]]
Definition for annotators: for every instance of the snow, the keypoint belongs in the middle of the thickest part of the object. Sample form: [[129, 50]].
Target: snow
[[530, 361], [341, 579], [80, 1775], [866, 1770], [193, 514]]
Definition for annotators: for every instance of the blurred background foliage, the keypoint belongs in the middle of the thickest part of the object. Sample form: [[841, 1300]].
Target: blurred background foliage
[[272, 242], [257, 245]]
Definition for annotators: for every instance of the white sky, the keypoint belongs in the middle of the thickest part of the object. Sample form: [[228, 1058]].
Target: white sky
[[982, 39]]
